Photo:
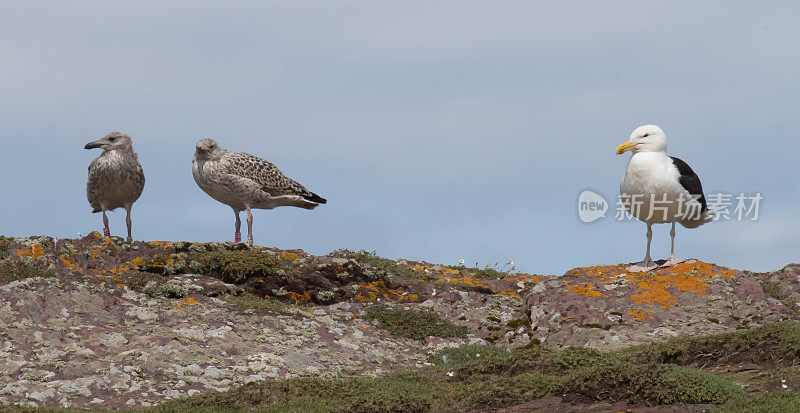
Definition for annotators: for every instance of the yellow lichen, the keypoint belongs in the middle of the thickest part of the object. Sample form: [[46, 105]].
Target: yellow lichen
[[34, 251], [289, 256], [586, 290], [69, 263], [160, 244], [305, 297], [377, 289], [657, 287], [640, 315]]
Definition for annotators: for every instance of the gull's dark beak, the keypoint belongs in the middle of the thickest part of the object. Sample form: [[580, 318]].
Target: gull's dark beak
[[92, 145]]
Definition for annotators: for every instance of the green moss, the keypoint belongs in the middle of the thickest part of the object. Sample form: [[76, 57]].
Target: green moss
[[238, 265], [5, 243], [170, 289], [596, 325], [487, 272], [395, 393], [462, 381], [13, 269], [458, 356], [137, 280], [774, 402], [373, 260], [515, 324], [249, 301], [773, 290], [414, 323], [771, 346]]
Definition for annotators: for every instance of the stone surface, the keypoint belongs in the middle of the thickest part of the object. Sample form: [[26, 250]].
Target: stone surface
[[82, 337]]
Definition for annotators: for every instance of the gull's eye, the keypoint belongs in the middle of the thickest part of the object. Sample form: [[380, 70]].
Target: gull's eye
[[112, 139], [645, 135]]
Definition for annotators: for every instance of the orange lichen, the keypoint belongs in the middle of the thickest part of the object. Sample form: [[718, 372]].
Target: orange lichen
[[378, 289], [640, 315], [189, 301], [658, 287], [137, 262], [466, 280], [586, 290], [305, 297], [289, 256], [34, 251], [69, 263], [160, 244], [159, 261], [443, 270]]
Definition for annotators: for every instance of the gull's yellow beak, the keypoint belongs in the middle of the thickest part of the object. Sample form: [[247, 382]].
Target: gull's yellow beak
[[625, 146]]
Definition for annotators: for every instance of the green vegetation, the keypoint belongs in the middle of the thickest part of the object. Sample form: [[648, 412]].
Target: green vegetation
[[138, 280], [5, 242], [486, 377], [373, 260], [413, 323], [396, 393], [479, 377], [773, 290], [773, 402], [771, 346], [238, 265], [487, 272], [13, 269], [250, 301]]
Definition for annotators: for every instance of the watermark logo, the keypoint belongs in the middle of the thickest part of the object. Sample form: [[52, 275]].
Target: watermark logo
[[720, 207], [591, 206]]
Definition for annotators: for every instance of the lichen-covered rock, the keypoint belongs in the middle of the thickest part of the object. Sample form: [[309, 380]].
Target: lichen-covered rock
[[98, 322], [607, 307]]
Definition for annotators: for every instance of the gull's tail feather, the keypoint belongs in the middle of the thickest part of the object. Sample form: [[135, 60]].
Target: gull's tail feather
[[706, 217], [316, 198]]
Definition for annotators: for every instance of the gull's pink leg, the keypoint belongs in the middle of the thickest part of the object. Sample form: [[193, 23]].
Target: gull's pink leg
[[237, 236], [106, 230]]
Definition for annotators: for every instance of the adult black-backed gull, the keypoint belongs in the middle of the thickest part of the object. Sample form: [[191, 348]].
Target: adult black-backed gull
[[658, 188], [116, 178], [243, 181]]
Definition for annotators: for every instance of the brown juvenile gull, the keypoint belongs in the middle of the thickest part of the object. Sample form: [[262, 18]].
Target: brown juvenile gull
[[243, 181], [116, 178]]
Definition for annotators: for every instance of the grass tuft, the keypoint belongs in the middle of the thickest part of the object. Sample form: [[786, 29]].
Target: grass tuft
[[5, 243], [239, 265], [773, 345], [19, 269], [250, 301], [373, 260], [414, 323]]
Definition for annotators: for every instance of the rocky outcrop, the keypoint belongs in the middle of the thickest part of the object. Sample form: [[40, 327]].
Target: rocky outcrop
[[98, 322]]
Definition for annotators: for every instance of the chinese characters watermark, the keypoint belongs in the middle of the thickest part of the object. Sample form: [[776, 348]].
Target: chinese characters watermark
[[719, 207]]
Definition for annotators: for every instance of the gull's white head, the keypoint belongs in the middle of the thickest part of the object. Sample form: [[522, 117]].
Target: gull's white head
[[647, 138]]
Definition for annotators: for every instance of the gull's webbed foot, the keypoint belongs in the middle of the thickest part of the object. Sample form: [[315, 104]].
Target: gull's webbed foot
[[672, 261], [646, 265]]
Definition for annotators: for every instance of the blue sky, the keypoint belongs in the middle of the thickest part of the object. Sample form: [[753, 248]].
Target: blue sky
[[436, 131]]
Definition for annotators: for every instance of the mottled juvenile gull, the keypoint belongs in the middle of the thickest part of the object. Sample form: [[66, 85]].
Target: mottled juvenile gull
[[243, 181], [116, 178], [658, 188]]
